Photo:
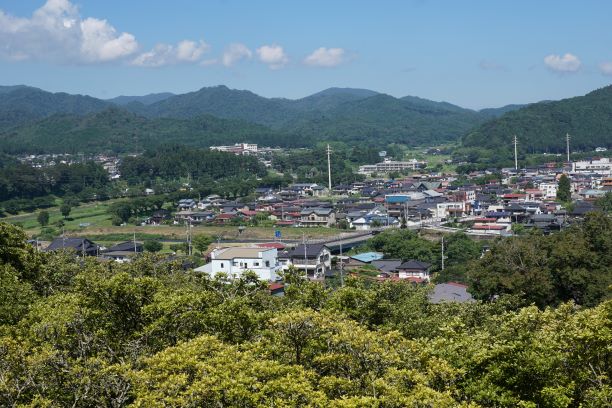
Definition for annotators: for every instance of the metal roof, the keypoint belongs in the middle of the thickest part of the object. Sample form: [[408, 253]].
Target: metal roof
[[367, 257]]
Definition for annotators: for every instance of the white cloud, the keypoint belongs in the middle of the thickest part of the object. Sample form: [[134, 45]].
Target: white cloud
[[234, 53], [273, 55], [56, 32], [563, 63], [326, 57], [606, 68], [185, 51], [191, 51], [100, 41]]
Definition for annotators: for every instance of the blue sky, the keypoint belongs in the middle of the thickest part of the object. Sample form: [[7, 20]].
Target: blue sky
[[472, 53]]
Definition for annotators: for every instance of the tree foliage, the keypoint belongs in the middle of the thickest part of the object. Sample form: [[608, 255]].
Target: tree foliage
[[77, 332], [548, 269], [564, 192]]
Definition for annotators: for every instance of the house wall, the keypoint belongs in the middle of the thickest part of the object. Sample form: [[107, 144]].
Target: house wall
[[266, 266], [405, 274]]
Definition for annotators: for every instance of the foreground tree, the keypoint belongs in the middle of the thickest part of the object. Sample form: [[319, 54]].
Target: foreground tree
[[564, 189]]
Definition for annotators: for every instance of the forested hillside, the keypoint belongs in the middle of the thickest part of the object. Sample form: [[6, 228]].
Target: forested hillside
[[541, 127], [22, 104], [79, 333], [117, 130], [383, 119]]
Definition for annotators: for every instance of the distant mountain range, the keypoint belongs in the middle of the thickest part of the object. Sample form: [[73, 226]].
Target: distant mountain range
[[145, 100], [35, 120]]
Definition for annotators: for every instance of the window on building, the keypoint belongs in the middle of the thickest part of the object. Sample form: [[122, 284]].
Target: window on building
[[255, 263], [222, 265], [267, 264]]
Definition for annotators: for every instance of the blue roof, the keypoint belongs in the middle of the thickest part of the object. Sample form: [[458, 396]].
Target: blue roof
[[397, 199], [368, 257]]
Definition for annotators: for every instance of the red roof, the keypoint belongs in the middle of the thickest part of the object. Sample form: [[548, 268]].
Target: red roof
[[225, 216], [514, 195], [276, 245], [249, 213], [489, 227]]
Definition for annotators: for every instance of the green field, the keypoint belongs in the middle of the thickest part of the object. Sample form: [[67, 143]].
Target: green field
[[432, 159], [93, 221], [94, 214]]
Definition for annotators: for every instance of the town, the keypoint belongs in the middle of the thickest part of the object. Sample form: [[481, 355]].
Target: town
[[480, 204]]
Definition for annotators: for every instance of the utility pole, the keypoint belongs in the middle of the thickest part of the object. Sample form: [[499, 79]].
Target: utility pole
[[305, 259], [190, 249], [567, 139], [442, 252], [135, 243], [515, 154], [329, 169], [341, 267]]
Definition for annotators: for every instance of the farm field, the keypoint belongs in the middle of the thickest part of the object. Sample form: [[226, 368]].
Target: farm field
[[93, 221]]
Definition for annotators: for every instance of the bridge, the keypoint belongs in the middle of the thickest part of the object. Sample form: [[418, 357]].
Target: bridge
[[346, 240]]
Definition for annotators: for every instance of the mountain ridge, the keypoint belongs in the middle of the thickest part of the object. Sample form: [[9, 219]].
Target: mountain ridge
[[542, 126]]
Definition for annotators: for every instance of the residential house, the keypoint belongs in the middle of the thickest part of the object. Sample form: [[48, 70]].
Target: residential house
[[82, 246], [387, 267], [307, 189], [235, 261], [313, 259], [369, 221], [186, 204], [414, 271], [452, 209], [158, 217], [193, 217], [123, 252], [317, 217]]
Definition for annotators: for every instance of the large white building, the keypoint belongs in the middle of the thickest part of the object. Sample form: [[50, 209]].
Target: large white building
[[601, 166], [238, 148], [235, 261], [387, 166]]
